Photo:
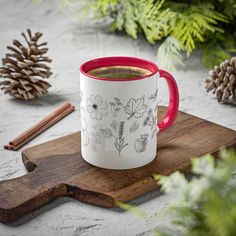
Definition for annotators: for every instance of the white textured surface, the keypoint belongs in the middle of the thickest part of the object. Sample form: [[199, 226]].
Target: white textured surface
[[71, 43]]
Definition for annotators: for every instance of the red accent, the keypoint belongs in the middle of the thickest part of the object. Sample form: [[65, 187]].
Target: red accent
[[173, 101], [118, 61]]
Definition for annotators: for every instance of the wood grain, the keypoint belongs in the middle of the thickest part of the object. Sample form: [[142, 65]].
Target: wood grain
[[56, 168]]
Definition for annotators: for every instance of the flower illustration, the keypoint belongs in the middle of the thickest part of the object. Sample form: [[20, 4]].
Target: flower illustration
[[96, 107]]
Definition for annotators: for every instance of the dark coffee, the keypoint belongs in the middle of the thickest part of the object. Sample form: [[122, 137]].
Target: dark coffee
[[119, 72]]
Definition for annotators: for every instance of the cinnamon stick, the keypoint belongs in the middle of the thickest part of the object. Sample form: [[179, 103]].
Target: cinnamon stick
[[40, 126]]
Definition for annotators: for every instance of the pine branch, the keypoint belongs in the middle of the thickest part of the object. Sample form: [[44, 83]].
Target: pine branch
[[143, 15], [169, 54], [192, 25], [205, 205], [153, 19], [217, 49], [104, 7]]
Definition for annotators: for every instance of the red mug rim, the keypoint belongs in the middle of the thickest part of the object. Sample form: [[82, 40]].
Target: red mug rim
[[118, 61]]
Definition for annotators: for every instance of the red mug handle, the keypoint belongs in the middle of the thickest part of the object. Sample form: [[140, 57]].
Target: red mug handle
[[173, 101]]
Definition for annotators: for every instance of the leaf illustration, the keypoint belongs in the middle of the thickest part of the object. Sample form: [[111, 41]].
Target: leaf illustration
[[153, 96], [115, 125], [112, 103], [116, 145], [135, 107], [107, 133], [154, 132], [119, 104], [115, 106], [150, 119], [116, 99], [134, 127], [156, 108]]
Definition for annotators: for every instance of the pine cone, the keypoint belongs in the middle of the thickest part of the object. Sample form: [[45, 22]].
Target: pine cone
[[24, 67], [223, 81]]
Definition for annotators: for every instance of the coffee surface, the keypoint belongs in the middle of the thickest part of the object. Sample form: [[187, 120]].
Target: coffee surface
[[119, 72]]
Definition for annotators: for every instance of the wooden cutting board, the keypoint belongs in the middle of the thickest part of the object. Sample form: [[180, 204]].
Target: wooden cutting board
[[56, 168]]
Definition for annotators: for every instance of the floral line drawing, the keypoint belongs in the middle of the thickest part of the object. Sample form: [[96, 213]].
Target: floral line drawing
[[96, 107], [150, 120], [106, 133], [154, 132], [156, 109], [140, 144], [153, 96], [135, 107], [84, 128], [85, 138], [115, 106], [115, 126], [94, 142], [120, 140], [154, 129], [134, 127], [98, 137]]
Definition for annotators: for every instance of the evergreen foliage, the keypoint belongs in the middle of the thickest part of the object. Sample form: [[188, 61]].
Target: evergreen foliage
[[205, 205], [180, 26]]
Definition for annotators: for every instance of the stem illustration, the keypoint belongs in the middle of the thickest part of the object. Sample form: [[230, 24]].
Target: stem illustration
[[120, 140]]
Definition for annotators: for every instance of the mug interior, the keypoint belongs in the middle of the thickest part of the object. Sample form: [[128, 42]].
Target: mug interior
[[118, 61]]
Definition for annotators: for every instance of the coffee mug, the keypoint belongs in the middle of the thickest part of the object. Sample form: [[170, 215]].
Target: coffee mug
[[119, 111]]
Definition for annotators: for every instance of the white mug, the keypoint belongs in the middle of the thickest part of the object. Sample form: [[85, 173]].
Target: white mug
[[119, 116]]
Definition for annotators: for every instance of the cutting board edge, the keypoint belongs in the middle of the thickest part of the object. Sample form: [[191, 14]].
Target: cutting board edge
[[151, 184], [30, 165], [143, 184]]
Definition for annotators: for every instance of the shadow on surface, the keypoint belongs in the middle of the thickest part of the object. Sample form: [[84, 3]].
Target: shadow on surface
[[141, 199], [39, 211], [47, 99], [62, 200]]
